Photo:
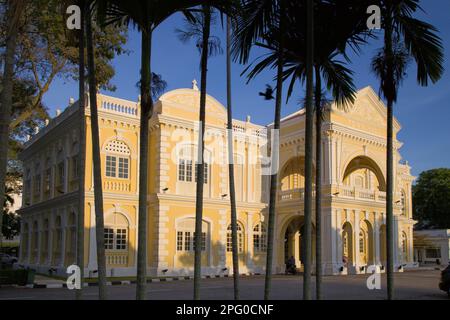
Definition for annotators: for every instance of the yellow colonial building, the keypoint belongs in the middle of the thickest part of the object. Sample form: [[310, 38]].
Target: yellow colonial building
[[354, 147]]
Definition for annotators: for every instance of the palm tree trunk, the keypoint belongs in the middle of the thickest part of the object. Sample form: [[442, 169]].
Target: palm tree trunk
[[309, 121], [318, 97], [390, 94], [200, 164], [234, 239], [81, 155], [146, 112], [98, 192], [275, 151], [15, 9], [389, 203]]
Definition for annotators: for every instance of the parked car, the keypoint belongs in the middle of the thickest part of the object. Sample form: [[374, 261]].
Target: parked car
[[444, 285], [7, 259]]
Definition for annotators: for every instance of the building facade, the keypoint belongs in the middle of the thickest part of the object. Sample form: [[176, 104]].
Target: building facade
[[432, 247], [354, 147]]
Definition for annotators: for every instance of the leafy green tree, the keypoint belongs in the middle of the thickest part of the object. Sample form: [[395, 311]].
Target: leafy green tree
[[13, 22], [48, 50], [11, 221], [405, 38], [431, 199]]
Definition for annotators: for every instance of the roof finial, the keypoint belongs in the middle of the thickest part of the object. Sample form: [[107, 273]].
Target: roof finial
[[194, 85]]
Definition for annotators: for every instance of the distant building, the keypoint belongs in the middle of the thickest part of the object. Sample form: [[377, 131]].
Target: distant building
[[432, 246], [354, 188]]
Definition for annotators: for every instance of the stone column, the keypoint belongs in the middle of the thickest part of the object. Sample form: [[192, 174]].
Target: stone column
[[396, 243], [338, 235], [356, 240], [377, 240], [92, 261]]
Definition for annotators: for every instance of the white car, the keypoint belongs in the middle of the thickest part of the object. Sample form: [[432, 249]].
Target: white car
[[7, 259]]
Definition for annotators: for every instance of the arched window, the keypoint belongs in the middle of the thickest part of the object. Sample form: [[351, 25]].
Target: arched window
[[44, 244], [186, 235], [240, 238], [259, 238], [403, 202], [362, 242], [345, 244], [57, 241], [117, 159], [187, 167], [116, 232], [71, 246]]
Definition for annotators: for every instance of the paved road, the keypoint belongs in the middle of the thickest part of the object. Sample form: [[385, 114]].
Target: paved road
[[413, 285]]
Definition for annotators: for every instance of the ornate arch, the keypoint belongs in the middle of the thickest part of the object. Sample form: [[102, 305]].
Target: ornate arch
[[359, 161]]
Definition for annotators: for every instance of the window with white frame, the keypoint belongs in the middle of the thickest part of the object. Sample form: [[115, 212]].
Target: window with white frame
[[259, 238], [116, 238], [205, 172], [362, 242], [117, 159], [403, 202], [240, 238], [185, 170], [48, 175], [61, 173], [185, 236]]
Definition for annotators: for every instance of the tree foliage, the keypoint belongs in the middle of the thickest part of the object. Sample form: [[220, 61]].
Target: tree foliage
[[431, 199], [48, 50]]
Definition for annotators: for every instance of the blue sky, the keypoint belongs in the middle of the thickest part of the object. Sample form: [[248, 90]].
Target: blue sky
[[423, 112]]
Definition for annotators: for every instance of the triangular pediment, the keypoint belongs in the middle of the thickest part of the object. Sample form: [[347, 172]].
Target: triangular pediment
[[367, 113], [185, 102]]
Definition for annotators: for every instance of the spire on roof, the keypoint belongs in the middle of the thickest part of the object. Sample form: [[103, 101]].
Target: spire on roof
[[194, 85]]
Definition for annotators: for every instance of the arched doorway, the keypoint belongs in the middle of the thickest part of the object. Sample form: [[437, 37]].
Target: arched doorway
[[347, 243], [366, 247], [383, 244], [294, 242]]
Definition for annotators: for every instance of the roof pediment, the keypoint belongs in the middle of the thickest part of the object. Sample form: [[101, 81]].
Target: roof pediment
[[186, 104], [367, 113]]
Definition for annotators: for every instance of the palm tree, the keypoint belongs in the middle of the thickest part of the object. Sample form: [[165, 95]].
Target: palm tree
[[97, 171], [405, 37], [146, 16], [199, 28], [234, 238], [309, 122], [81, 154], [14, 13], [258, 16]]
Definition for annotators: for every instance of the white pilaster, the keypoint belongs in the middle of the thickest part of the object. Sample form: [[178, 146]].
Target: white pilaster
[[377, 239], [356, 240]]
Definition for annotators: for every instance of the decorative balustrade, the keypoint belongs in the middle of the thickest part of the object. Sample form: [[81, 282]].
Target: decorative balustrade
[[117, 258], [117, 186], [120, 108], [294, 194], [348, 192], [361, 194]]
